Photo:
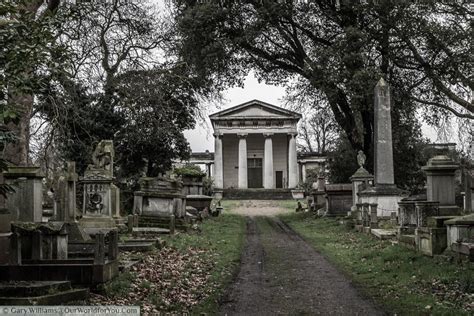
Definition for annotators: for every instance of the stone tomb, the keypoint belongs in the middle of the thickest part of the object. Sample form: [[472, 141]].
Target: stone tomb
[[460, 235], [97, 208], [158, 207], [159, 196], [39, 252], [339, 199]]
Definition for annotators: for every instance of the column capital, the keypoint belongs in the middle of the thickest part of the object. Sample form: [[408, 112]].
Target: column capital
[[293, 134], [266, 135], [217, 135], [242, 135]]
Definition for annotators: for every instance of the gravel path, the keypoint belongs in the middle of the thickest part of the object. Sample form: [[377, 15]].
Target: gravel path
[[281, 274]]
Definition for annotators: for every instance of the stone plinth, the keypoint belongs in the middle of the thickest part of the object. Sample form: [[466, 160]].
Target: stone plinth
[[97, 206], [360, 177], [440, 181], [159, 197]]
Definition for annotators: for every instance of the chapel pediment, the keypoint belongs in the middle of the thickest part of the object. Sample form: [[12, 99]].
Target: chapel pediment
[[255, 109]]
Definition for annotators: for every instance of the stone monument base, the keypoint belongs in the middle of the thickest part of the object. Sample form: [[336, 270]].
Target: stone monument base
[[95, 224], [385, 196]]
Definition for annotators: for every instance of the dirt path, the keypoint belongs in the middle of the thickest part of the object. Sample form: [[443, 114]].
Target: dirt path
[[281, 274]]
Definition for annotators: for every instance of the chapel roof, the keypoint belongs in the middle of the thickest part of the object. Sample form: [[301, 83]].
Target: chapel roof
[[260, 110]]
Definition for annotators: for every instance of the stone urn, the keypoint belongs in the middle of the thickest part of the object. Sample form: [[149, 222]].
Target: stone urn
[[297, 194]]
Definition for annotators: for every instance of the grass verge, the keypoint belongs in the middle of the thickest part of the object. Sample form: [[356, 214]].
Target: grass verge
[[222, 239], [401, 280]]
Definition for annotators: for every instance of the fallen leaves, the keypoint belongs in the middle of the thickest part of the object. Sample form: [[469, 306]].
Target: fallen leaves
[[167, 280]]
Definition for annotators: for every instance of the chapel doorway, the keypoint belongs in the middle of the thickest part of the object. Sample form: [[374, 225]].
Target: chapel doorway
[[255, 172], [279, 179]]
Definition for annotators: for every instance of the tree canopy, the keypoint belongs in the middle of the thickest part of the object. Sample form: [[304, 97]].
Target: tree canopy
[[339, 49]]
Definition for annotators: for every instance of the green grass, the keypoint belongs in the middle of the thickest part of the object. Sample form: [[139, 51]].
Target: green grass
[[401, 280], [223, 237]]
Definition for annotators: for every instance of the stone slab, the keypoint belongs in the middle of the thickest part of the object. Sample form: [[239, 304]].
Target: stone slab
[[384, 233], [153, 230], [58, 298], [32, 288]]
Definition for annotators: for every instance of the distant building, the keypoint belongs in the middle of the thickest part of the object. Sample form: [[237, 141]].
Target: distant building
[[255, 147]]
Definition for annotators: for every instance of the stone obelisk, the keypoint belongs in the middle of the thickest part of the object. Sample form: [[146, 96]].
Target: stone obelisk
[[383, 157], [384, 193]]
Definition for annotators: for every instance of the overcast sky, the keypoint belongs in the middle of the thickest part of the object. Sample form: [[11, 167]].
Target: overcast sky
[[201, 138]]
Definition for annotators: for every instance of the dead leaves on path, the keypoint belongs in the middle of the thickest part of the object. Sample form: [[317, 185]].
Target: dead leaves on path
[[167, 280]]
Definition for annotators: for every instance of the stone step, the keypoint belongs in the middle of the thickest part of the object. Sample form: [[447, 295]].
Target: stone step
[[136, 246], [149, 230], [58, 298], [32, 288]]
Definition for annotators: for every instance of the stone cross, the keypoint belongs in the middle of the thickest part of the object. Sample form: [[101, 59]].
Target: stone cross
[[383, 158]]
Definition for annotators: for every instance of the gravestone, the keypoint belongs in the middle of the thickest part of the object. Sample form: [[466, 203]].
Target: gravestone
[[384, 193], [97, 213]]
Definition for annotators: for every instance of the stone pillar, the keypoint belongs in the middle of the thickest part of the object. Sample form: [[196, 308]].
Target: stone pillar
[[383, 165], [99, 249], [113, 245], [71, 179], [218, 162], [365, 215], [242, 161], [293, 164], [37, 245], [15, 249], [268, 164], [467, 192], [374, 223]]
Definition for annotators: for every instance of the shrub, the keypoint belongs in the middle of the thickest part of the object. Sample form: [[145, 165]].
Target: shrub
[[190, 171]]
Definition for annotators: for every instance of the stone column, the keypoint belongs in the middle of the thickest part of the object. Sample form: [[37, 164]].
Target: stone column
[[242, 161], [71, 179], [293, 164], [218, 162], [383, 165], [268, 156]]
